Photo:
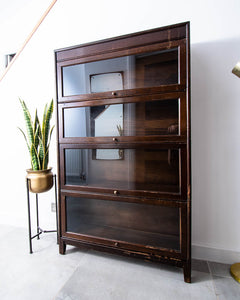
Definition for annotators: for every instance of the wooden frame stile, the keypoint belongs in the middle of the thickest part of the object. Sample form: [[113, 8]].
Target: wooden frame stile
[[187, 276], [58, 133], [105, 211]]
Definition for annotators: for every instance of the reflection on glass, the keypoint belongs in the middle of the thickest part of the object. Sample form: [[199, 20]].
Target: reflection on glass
[[159, 117], [145, 224], [138, 169], [74, 81], [128, 72], [106, 82], [76, 166], [109, 154], [108, 120], [104, 120], [77, 122]]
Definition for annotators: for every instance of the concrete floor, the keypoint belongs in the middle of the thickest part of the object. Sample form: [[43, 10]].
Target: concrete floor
[[78, 275]]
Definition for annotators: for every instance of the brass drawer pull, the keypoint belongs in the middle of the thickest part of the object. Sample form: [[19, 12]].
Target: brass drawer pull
[[115, 139], [115, 192], [114, 93]]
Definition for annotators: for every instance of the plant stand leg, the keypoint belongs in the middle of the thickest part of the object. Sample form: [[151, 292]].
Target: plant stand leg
[[37, 214], [29, 219], [39, 230]]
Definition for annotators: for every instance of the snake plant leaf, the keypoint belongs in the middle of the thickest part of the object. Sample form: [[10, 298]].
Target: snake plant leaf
[[24, 135], [46, 158], [46, 135], [46, 150], [28, 121], [36, 130], [38, 136], [36, 122], [36, 143], [44, 114], [50, 135], [34, 158], [43, 123], [41, 154], [46, 123]]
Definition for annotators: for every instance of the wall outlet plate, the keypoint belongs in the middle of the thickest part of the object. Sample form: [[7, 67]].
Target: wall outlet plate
[[53, 207]]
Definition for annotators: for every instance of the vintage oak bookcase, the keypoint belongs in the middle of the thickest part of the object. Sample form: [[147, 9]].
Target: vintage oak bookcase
[[124, 145]]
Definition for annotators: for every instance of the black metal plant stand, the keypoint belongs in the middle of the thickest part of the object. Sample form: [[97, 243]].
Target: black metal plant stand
[[39, 229]]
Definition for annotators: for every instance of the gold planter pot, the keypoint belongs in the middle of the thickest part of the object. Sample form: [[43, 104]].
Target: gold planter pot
[[40, 181]]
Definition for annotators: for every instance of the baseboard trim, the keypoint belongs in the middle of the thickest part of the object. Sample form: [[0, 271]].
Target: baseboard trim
[[215, 254]]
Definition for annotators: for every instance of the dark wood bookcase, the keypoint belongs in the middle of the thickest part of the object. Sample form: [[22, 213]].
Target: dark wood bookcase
[[123, 109]]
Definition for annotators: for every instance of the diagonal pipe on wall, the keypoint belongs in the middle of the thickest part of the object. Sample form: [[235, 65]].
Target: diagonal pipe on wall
[[28, 38]]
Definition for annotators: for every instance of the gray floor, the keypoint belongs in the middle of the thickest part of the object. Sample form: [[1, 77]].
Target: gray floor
[[45, 274]]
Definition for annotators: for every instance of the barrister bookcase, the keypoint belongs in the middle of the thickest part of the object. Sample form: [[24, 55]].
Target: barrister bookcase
[[123, 107]]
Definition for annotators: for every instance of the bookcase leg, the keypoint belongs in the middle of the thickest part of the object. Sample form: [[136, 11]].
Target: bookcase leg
[[62, 247], [187, 272]]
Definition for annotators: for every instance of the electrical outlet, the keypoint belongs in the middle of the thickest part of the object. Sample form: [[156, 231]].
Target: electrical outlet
[[53, 207]]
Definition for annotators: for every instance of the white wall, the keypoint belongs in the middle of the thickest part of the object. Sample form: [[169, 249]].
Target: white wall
[[215, 49], [17, 19]]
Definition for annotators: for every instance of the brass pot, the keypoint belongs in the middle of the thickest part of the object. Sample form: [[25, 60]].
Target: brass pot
[[40, 181]]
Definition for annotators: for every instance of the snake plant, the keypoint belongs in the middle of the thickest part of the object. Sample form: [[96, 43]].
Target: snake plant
[[38, 136]]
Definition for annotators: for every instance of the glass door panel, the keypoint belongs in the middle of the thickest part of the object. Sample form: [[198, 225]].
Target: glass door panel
[[149, 225], [158, 117], [124, 169], [128, 72]]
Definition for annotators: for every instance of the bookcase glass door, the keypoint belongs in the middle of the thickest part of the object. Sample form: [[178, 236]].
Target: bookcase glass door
[[145, 118], [150, 225], [124, 169], [127, 72]]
